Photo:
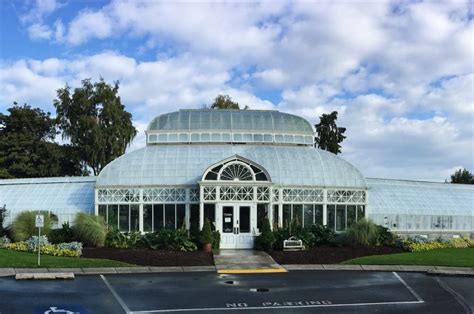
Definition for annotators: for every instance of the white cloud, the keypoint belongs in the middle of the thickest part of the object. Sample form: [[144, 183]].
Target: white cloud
[[39, 32], [89, 24]]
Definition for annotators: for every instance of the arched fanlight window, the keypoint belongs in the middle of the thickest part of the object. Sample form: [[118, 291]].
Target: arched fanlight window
[[236, 170]]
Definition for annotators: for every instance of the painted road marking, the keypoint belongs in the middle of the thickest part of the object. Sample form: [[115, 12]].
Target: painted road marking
[[115, 294], [408, 287], [275, 307], [252, 271]]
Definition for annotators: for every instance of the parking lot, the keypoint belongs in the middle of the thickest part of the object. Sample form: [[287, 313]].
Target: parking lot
[[296, 291]]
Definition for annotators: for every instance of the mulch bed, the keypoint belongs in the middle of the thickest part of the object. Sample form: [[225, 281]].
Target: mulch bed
[[329, 254], [147, 257]]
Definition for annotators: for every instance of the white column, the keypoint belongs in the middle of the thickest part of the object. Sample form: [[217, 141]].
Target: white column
[[280, 207], [325, 208], [140, 212], [270, 207], [96, 205], [201, 207]]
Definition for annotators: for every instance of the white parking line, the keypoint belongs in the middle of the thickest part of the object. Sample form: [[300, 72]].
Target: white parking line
[[275, 307], [115, 294], [408, 287]]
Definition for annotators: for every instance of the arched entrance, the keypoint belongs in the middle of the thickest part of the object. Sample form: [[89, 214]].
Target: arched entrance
[[239, 189]]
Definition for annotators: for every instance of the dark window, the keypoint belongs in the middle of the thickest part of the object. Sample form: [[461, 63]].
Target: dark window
[[112, 213], [103, 212], [157, 217], [275, 215], [180, 215], [351, 215], [262, 214], [210, 213], [227, 219], [331, 216], [261, 176], [194, 217], [147, 217], [318, 214], [298, 214], [286, 215], [134, 218], [308, 215], [170, 216], [244, 217], [360, 212], [340, 217], [124, 218], [211, 176]]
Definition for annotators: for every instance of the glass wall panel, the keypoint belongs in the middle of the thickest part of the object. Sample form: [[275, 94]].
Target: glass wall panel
[[124, 218], [318, 214], [244, 216], [134, 217], [157, 217], [210, 213], [286, 215], [275, 216], [351, 215], [194, 217], [170, 216], [180, 215], [340, 217], [331, 216], [103, 212], [298, 214], [147, 217], [262, 214], [360, 212], [308, 216], [112, 213]]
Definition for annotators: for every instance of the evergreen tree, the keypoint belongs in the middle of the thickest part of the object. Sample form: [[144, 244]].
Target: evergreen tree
[[329, 135], [28, 149], [462, 176], [95, 121]]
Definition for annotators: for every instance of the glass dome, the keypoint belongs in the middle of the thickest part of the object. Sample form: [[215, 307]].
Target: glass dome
[[230, 126]]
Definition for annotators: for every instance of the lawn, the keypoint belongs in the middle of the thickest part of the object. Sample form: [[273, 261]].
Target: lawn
[[439, 257], [9, 258]]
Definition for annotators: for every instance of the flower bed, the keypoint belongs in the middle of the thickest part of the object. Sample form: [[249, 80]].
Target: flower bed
[[72, 249]]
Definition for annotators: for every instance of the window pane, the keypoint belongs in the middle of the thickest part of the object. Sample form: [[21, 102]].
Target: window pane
[[147, 217], [275, 215], [341, 217], [210, 213], [360, 212], [124, 218], [331, 216], [318, 214], [157, 217], [180, 214], [227, 219], [112, 213], [194, 217], [244, 217], [286, 215], [261, 215], [351, 215], [298, 214], [134, 218], [308, 215], [170, 216], [103, 212]]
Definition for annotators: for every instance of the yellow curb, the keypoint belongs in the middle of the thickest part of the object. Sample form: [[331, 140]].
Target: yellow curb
[[252, 271]]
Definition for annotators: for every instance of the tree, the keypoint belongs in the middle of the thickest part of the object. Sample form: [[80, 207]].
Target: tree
[[27, 147], [95, 121], [462, 176], [329, 134], [225, 102]]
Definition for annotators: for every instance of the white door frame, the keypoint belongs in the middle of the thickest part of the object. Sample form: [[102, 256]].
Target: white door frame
[[235, 239]]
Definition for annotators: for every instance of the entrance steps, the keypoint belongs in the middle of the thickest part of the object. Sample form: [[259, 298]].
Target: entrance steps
[[245, 262]]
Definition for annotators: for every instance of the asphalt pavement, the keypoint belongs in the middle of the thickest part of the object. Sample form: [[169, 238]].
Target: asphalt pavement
[[295, 291]]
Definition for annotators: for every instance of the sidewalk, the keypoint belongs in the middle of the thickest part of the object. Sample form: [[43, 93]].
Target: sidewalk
[[431, 270]]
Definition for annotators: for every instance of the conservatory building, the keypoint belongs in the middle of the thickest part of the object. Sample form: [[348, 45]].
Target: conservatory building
[[237, 168], [233, 167]]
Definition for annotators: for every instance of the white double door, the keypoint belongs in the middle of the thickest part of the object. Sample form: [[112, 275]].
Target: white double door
[[237, 223]]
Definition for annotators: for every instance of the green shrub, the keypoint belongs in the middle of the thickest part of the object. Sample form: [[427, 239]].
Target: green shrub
[[363, 232], [205, 236], [385, 237], [90, 230], [24, 225], [216, 239], [266, 239], [61, 235], [322, 235], [281, 234], [462, 243], [165, 239], [120, 240]]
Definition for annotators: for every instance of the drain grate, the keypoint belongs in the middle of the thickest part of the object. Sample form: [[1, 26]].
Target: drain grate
[[259, 290]]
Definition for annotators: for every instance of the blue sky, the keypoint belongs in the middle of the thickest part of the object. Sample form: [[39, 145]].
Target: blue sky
[[400, 74]]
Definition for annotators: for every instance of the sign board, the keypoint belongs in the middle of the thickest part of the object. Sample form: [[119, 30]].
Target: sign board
[[39, 221]]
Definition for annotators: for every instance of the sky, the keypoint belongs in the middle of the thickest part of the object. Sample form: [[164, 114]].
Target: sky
[[400, 74]]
